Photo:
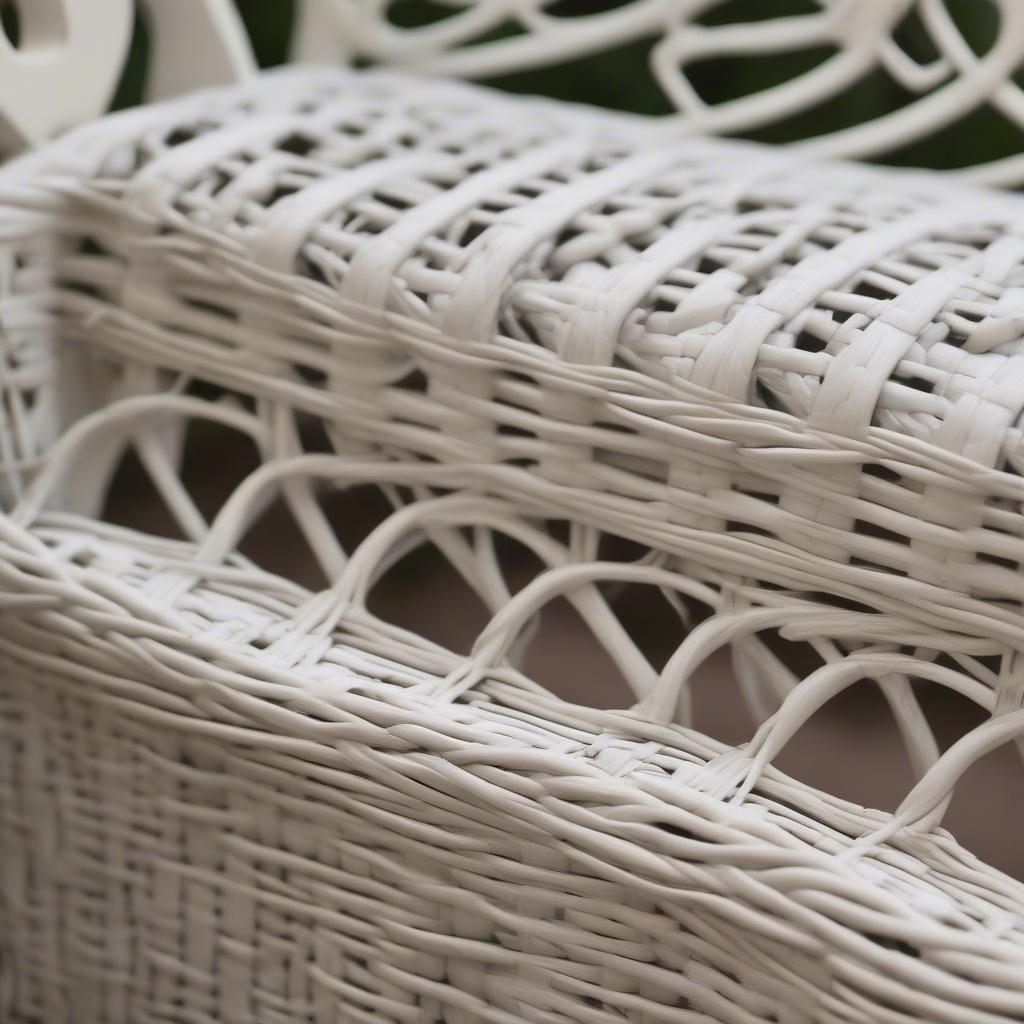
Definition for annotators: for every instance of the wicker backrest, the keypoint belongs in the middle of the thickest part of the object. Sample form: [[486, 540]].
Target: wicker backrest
[[903, 79], [855, 78]]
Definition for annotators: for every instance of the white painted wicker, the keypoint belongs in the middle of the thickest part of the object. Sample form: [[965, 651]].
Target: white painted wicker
[[935, 62], [918, 69], [226, 798]]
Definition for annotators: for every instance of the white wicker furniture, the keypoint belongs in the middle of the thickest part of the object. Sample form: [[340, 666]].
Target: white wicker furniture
[[224, 797], [936, 61]]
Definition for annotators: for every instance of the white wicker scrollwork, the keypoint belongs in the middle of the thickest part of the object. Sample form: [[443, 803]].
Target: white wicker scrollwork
[[68, 56], [854, 39], [201, 42], [792, 390]]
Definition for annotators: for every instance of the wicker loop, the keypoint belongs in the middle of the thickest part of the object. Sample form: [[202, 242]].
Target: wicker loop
[[664, 702], [828, 681], [494, 641], [244, 504], [401, 532], [83, 44], [110, 425], [863, 37], [925, 806]]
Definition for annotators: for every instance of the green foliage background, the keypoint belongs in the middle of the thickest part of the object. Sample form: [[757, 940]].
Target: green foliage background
[[621, 79]]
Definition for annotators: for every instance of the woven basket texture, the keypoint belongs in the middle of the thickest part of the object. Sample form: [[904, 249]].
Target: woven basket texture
[[225, 797]]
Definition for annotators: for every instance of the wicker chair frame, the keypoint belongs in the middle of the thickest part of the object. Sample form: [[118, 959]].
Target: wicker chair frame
[[226, 797]]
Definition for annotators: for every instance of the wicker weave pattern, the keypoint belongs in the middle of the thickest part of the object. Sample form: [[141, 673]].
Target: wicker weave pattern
[[617, 281], [795, 384], [271, 825]]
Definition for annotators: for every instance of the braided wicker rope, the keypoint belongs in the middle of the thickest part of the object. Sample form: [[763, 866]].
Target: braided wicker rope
[[228, 798]]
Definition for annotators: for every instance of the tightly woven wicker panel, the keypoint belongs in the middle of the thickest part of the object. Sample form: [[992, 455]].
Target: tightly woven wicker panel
[[212, 815], [228, 799]]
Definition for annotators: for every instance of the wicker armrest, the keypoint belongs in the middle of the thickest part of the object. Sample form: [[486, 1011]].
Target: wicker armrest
[[210, 812], [796, 385]]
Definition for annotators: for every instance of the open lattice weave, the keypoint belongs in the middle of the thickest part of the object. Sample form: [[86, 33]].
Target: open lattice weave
[[224, 797], [841, 78]]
